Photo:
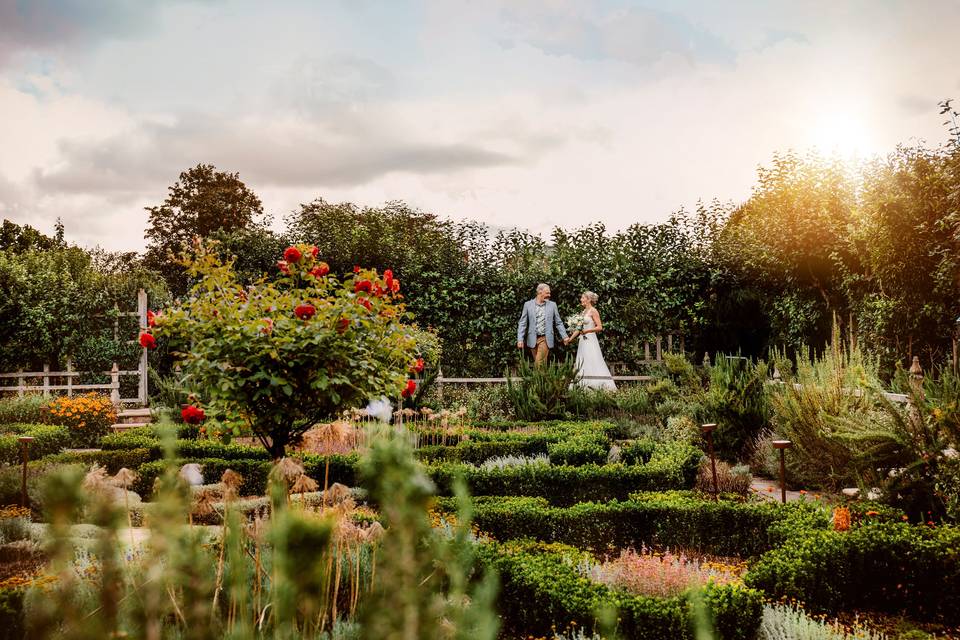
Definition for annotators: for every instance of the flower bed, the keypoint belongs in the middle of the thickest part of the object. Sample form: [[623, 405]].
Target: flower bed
[[542, 588]]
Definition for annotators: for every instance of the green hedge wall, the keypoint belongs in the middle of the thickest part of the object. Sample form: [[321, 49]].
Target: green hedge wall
[[48, 439], [672, 519], [541, 589], [890, 567]]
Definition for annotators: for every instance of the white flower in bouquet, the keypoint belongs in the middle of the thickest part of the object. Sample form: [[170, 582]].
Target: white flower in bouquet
[[575, 322]]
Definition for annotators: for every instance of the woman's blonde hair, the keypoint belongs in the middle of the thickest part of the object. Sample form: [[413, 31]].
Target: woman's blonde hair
[[591, 296]]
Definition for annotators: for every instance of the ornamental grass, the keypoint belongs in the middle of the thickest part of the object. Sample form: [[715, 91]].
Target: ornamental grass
[[665, 574]]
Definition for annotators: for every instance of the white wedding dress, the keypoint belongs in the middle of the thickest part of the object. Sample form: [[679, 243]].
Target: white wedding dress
[[590, 363]]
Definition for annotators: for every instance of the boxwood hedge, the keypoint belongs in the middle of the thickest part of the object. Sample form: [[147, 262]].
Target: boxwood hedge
[[47, 439]]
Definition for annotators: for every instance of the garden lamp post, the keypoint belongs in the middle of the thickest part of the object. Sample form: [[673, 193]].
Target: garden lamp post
[[783, 445], [25, 451], [707, 430]]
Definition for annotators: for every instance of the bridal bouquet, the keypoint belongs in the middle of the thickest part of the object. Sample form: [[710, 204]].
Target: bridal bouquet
[[575, 323]]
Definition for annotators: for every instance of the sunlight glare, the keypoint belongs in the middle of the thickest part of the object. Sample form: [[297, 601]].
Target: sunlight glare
[[843, 133]]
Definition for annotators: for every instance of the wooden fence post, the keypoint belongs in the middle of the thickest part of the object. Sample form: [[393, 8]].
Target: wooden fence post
[[115, 384], [69, 377], [646, 350], [21, 382], [46, 380], [142, 313], [659, 351], [669, 343]]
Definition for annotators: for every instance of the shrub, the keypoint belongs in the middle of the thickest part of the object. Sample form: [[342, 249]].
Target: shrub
[[542, 391], [784, 622], [585, 448], [47, 439], [737, 401], [660, 574], [88, 416], [21, 409], [682, 428], [637, 452], [888, 567], [311, 344], [730, 479], [661, 520], [541, 585]]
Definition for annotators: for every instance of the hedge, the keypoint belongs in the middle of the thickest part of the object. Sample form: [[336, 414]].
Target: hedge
[[889, 567], [672, 519], [541, 590], [47, 439]]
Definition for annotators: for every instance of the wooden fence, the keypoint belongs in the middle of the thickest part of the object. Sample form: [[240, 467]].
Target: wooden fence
[[48, 382]]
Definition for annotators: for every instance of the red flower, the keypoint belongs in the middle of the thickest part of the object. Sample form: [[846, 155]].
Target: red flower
[[151, 319], [320, 270], [363, 285], [356, 268], [388, 275], [377, 290], [192, 414], [315, 251], [417, 366], [363, 302], [409, 389], [267, 326], [292, 254], [342, 325], [284, 267], [147, 341], [395, 286], [304, 311]]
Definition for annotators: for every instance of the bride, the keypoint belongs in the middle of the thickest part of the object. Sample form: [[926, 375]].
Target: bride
[[590, 363]]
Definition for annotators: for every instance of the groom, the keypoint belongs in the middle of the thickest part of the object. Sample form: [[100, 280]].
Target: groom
[[535, 330]]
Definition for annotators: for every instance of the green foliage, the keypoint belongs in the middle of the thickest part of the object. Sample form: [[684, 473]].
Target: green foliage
[[61, 302], [674, 519], [23, 409], [736, 400], [46, 440], [427, 587], [547, 576], [254, 362], [542, 391], [889, 567]]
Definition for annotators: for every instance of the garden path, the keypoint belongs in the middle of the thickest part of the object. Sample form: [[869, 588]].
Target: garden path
[[770, 490]]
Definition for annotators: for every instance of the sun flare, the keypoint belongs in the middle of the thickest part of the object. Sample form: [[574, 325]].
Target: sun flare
[[843, 133]]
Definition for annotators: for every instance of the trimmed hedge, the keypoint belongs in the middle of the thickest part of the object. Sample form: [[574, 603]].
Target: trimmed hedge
[[541, 589], [890, 567], [48, 439], [343, 469], [672, 519]]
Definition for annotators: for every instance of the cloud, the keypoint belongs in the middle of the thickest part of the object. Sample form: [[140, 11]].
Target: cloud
[[278, 153], [637, 35], [57, 25]]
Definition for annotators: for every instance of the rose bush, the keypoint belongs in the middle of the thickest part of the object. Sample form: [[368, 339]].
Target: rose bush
[[290, 350]]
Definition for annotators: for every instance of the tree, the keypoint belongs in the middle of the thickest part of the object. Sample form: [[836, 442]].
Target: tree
[[201, 202], [293, 349]]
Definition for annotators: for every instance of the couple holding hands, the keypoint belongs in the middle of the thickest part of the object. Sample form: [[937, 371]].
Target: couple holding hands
[[535, 332]]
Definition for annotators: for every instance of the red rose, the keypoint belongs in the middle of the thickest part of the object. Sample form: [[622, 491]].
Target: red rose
[[151, 319], [342, 325], [315, 251], [409, 389], [320, 270], [292, 254], [418, 366], [363, 285], [192, 414], [395, 286], [147, 341], [388, 275], [356, 269], [363, 302], [284, 267], [377, 290], [304, 311]]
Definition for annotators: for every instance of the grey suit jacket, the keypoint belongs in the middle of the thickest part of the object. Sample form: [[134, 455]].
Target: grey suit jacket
[[527, 328]]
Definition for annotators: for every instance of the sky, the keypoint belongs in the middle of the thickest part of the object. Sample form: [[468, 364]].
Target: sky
[[525, 113]]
